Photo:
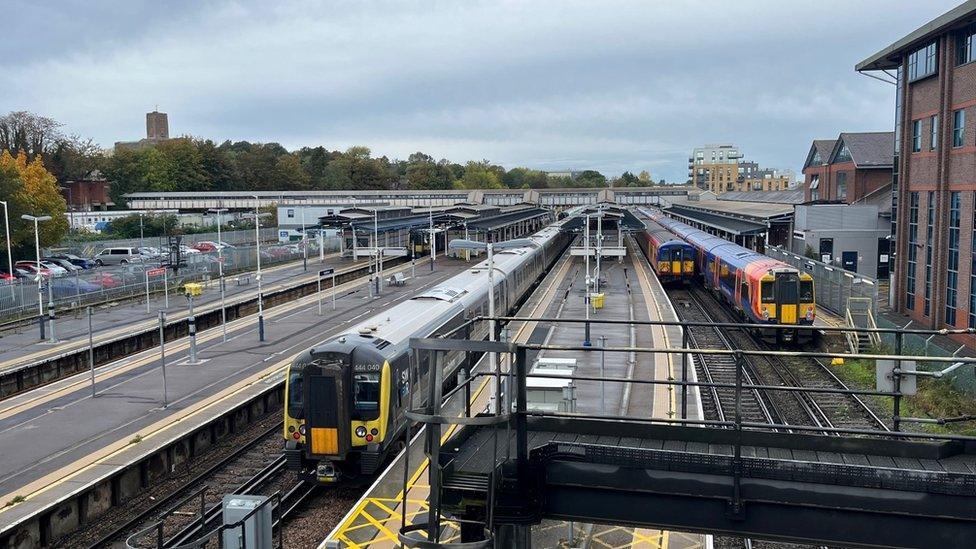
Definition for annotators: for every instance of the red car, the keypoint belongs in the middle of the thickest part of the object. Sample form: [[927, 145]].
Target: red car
[[107, 280], [31, 267], [205, 247], [6, 278]]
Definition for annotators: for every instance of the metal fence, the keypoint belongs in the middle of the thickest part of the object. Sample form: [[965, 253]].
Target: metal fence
[[103, 284], [834, 286], [235, 238], [963, 379]]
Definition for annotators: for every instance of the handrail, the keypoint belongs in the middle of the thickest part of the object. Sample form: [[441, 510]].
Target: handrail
[[852, 337]]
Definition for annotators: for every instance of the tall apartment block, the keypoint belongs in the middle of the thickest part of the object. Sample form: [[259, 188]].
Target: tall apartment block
[[934, 169], [714, 167]]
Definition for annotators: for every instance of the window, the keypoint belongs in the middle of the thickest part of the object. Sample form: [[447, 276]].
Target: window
[[844, 154], [928, 251], [912, 251], [972, 274], [916, 135], [806, 291], [291, 213], [952, 277], [934, 133], [842, 185], [816, 157], [958, 127], [296, 393], [966, 45], [921, 62], [366, 391]]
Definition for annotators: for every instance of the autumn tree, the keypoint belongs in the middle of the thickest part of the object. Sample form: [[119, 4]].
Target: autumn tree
[[33, 190]]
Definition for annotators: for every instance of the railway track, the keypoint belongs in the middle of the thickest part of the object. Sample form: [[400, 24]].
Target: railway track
[[817, 409], [719, 403]]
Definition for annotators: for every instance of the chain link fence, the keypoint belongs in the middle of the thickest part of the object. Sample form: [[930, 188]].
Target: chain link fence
[[834, 286], [104, 284]]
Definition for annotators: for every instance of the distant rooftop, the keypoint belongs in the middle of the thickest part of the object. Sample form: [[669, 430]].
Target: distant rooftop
[[869, 149], [792, 196]]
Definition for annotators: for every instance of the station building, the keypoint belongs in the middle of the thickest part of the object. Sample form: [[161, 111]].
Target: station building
[[849, 169], [934, 177]]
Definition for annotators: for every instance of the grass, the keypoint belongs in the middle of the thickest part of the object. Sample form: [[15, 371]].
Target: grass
[[136, 439], [936, 398], [15, 501]]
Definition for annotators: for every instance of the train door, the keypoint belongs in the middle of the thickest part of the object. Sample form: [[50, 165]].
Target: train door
[[788, 297], [738, 296], [328, 432], [676, 260]]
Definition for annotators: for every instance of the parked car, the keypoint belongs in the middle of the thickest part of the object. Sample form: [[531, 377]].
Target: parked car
[[118, 256], [107, 281], [67, 287], [186, 250], [7, 278], [58, 270], [64, 264], [227, 246], [82, 262], [206, 247], [32, 268]]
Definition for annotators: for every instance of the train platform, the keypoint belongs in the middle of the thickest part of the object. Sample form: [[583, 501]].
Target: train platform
[[20, 345], [58, 440], [632, 292]]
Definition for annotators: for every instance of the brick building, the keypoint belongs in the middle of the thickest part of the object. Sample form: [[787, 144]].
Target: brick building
[[934, 181], [720, 168], [850, 168], [88, 194]]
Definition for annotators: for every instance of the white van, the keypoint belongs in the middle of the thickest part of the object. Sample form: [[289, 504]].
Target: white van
[[118, 256]]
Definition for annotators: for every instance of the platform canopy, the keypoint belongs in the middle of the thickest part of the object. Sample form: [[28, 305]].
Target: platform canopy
[[619, 215]]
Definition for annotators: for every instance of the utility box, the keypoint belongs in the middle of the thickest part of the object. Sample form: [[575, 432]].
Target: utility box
[[193, 289], [884, 372], [597, 300], [255, 532]]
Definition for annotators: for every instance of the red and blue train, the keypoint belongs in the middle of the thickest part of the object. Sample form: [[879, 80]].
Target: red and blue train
[[671, 258], [761, 289]]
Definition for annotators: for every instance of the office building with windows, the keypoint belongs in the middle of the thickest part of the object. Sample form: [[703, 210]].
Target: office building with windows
[[934, 177], [714, 167]]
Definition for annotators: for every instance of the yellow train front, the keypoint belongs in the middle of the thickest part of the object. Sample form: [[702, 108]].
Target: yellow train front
[[347, 430]]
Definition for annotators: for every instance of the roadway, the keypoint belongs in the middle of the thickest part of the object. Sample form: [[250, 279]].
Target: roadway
[[21, 345], [632, 293], [49, 434]]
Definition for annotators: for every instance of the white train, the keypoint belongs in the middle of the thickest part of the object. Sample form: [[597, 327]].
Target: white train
[[345, 398]]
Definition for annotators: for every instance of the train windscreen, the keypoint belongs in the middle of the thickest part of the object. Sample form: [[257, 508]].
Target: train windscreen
[[806, 291], [366, 394], [787, 288], [296, 393]]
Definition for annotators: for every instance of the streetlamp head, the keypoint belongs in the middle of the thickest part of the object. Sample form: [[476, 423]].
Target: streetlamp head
[[36, 217]]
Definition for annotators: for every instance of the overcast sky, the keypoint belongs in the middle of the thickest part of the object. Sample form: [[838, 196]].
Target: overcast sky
[[607, 85]]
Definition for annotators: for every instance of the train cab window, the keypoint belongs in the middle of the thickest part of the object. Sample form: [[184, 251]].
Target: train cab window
[[366, 394], [787, 286], [676, 254], [296, 393], [767, 293], [806, 291], [744, 291]]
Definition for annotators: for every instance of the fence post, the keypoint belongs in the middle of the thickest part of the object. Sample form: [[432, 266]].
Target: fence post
[[684, 373], [896, 409]]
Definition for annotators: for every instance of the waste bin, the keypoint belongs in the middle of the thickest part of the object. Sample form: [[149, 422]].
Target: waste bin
[[597, 300], [193, 289]]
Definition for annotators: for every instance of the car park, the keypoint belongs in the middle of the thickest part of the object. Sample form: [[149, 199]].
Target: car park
[[150, 252], [186, 250], [206, 247], [7, 278], [118, 256], [56, 270]]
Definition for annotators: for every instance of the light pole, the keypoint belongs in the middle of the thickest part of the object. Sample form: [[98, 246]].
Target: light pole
[[220, 271], [304, 242], [257, 240], [433, 240], [142, 235], [40, 292], [586, 293], [6, 224], [459, 244], [377, 250], [71, 208]]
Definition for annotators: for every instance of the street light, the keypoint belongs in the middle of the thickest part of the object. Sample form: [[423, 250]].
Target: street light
[[220, 268], [71, 207], [6, 224], [257, 240], [377, 250], [40, 292], [461, 244]]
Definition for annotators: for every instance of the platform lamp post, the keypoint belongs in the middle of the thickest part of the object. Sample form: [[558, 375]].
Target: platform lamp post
[[257, 240], [142, 232], [6, 224], [220, 271], [433, 240], [586, 289], [304, 242], [40, 291], [490, 247], [377, 251]]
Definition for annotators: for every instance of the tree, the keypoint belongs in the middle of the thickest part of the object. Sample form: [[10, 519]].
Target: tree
[[216, 165], [480, 175], [591, 178], [645, 177], [31, 189], [628, 179], [423, 173]]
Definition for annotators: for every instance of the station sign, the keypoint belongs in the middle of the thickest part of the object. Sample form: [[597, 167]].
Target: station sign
[[160, 271], [326, 272]]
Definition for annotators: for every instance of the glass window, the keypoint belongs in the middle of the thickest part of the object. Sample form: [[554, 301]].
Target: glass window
[[291, 213], [366, 391], [766, 288], [934, 133], [916, 135], [912, 251], [842, 185], [930, 229], [296, 393], [965, 45], [921, 62], [952, 277], [843, 155], [806, 291], [958, 127]]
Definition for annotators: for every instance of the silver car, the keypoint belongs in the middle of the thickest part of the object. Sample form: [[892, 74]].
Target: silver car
[[118, 256]]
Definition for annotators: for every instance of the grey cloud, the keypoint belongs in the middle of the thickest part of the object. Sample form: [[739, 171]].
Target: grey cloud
[[621, 85]]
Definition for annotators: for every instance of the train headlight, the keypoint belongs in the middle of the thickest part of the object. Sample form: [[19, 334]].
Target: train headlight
[[360, 431], [765, 314], [301, 429]]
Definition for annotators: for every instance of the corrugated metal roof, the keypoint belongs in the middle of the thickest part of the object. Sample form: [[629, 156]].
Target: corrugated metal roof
[[791, 196]]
